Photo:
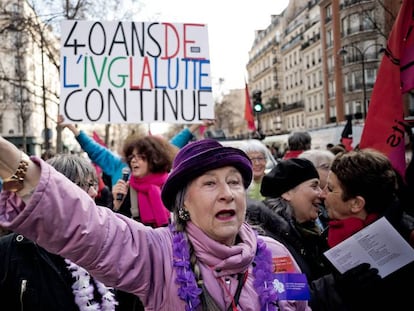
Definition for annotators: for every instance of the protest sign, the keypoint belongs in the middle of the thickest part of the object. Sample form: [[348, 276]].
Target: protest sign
[[135, 72]]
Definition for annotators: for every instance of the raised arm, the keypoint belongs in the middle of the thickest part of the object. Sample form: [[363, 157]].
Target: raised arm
[[64, 219], [18, 172], [186, 135], [111, 163]]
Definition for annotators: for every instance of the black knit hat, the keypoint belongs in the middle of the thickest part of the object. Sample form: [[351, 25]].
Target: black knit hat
[[286, 175]]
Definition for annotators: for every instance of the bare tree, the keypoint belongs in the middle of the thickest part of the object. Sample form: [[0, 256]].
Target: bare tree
[[382, 24], [51, 12], [17, 87]]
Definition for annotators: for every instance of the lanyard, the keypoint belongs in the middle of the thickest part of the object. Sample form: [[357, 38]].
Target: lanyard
[[241, 278]]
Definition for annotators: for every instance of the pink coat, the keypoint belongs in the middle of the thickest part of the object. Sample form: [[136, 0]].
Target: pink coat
[[123, 253]]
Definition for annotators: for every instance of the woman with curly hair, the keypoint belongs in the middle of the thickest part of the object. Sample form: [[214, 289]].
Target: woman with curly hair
[[149, 159]]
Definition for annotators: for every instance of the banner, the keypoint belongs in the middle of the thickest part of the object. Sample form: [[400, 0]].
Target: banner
[[384, 127], [248, 111], [347, 135], [132, 72]]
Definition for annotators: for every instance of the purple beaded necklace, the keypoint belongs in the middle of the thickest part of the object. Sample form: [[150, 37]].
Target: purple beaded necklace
[[190, 292]]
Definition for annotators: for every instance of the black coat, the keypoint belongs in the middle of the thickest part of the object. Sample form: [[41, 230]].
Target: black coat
[[306, 248], [33, 279], [386, 294], [327, 292]]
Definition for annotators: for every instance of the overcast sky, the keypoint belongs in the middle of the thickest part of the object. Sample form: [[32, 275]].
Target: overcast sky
[[231, 28], [231, 25]]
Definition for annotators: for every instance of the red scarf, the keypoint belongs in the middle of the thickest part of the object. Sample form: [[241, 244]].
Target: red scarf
[[292, 154], [151, 209], [340, 230]]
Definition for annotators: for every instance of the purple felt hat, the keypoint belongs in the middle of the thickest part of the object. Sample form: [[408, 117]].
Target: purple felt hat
[[198, 157]]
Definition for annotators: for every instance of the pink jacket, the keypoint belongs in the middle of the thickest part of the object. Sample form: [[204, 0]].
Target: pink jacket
[[123, 253]]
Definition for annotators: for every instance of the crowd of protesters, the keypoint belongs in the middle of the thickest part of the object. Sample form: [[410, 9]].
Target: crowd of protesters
[[198, 226]]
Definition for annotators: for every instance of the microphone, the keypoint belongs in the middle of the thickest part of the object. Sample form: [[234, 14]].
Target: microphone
[[125, 176]]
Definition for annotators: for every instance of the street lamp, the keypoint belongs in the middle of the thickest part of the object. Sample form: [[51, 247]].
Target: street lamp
[[343, 51]]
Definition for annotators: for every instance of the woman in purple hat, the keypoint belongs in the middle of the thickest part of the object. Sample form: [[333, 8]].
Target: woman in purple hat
[[208, 258]]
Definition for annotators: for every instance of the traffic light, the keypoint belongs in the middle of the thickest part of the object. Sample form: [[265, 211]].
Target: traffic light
[[257, 101]]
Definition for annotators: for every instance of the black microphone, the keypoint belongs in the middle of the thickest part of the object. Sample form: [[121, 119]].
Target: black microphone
[[125, 176]]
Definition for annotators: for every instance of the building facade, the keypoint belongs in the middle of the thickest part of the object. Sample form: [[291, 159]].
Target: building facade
[[29, 78], [328, 53]]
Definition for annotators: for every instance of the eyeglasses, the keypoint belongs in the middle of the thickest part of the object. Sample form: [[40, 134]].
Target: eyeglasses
[[138, 157], [324, 166], [90, 185], [258, 159]]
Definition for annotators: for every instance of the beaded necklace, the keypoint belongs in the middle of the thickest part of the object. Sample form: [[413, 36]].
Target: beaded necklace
[[190, 292], [83, 291]]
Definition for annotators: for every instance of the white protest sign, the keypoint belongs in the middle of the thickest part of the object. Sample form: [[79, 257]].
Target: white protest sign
[[135, 72]]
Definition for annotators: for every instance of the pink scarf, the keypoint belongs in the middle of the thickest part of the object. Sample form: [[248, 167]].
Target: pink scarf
[[340, 230], [151, 209]]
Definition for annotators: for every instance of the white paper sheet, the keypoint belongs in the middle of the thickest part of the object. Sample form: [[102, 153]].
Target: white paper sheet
[[378, 244]]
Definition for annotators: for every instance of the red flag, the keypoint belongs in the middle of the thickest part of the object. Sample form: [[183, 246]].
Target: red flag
[[202, 129], [346, 136], [384, 127], [248, 112], [98, 139], [98, 169]]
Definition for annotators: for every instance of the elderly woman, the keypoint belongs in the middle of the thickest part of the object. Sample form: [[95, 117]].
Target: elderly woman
[[207, 259], [293, 197], [31, 278], [257, 153], [322, 160]]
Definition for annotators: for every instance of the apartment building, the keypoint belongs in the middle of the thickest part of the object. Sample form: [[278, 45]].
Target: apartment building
[[311, 49], [266, 73], [29, 78], [328, 54]]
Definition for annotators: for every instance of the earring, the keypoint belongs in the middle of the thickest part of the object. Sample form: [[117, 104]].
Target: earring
[[183, 214]]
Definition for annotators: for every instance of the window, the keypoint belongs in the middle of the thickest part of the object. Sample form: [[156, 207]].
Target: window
[[345, 25], [354, 22], [370, 76], [367, 18], [328, 12], [329, 38], [357, 107]]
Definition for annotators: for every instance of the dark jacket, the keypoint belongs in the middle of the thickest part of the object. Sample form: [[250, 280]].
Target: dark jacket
[[33, 279], [331, 291], [306, 246], [359, 293]]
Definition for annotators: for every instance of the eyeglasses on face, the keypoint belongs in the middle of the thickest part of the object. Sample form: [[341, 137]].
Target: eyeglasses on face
[[137, 157], [324, 166], [89, 185], [258, 159]]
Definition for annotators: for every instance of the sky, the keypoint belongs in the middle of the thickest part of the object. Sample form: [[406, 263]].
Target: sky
[[231, 29]]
